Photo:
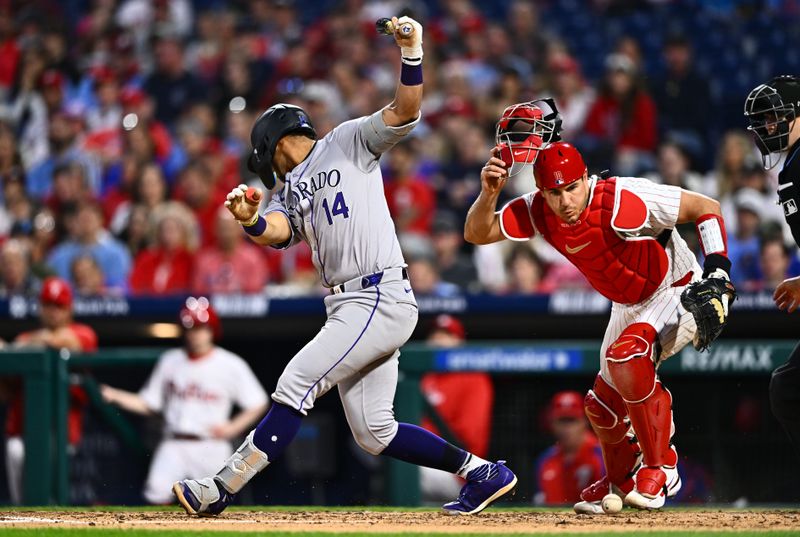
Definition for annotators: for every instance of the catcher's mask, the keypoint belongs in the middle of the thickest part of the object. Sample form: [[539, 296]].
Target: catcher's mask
[[278, 121], [524, 129], [771, 109]]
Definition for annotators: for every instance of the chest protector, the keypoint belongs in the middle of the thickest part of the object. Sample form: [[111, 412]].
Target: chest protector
[[624, 270]]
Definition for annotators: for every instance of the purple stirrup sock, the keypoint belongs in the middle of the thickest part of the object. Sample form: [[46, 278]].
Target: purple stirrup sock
[[416, 445], [276, 430]]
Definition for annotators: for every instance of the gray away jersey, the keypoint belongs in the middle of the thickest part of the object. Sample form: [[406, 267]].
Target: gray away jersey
[[335, 202]]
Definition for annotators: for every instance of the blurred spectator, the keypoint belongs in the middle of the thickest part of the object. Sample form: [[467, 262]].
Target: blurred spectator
[[194, 389], [198, 191], [525, 270], [9, 50], [575, 461], [87, 237], [232, 265], [623, 120], [411, 200], [683, 98], [733, 157], [58, 331], [107, 114], [448, 243], [166, 267], [66, 127], [10, 158], [460, 409], [16, 277], [26, 109], [144, 16], [744, 244], [149, 192], [573, 96], [69, 188], [88, 276], [423, 272], [172, 87], [674, 168], [775, 260]]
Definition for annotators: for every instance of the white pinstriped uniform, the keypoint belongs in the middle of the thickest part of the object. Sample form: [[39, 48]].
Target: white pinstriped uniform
[[662, 310]]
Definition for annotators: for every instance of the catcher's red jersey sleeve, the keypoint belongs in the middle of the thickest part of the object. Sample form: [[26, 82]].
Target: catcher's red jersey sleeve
[[516, 222]]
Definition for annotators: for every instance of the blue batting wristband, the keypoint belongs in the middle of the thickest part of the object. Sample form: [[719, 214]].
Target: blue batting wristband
[[411, 75], [257, 228]]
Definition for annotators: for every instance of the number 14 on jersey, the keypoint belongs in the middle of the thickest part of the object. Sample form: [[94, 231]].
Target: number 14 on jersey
[[339, 207]]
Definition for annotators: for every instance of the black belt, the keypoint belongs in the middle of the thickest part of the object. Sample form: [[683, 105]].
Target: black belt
[[182, 436]]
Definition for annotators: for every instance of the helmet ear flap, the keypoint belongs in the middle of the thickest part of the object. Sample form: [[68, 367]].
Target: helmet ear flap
[[262, 167]]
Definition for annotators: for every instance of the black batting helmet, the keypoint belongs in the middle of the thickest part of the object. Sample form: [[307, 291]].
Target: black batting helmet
[[278, 121], [771, 108]]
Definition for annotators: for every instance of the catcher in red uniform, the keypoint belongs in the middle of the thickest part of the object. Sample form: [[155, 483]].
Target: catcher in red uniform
[[619, 233]]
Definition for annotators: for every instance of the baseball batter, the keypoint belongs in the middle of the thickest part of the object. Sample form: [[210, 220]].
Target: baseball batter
[[619, 233], [332, 198], [194, 388]]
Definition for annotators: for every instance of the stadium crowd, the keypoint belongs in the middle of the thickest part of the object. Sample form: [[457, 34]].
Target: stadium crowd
[[123, 123]]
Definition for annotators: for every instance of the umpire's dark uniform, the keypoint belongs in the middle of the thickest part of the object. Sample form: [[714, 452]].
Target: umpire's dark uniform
[[773, 110], [784, 388]]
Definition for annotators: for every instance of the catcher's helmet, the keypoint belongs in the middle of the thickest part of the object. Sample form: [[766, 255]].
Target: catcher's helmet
[[558, 165], [198, 312], [771, 108], [278, 121], [523, 129]]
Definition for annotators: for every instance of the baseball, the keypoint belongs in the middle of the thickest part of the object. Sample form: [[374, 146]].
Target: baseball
[[611, 504]]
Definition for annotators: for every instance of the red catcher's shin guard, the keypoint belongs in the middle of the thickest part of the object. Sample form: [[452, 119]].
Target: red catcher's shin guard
[[606, 412], [652, 421]]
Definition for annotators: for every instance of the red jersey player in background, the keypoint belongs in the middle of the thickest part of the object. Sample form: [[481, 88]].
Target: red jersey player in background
[[619, 232], [575, 461], [463, 401], [58, 331]]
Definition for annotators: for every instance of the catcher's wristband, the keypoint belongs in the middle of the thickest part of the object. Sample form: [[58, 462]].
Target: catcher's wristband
[[256, 227], [711, 232]]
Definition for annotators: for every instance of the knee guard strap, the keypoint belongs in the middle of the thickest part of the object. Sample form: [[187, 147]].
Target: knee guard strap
[[242, 466], [630, 362]]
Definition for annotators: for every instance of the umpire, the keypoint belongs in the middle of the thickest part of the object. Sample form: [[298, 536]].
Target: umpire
[[772, 110]]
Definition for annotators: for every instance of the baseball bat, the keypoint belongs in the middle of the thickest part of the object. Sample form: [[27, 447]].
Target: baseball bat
[[385, 26], [252, 196]]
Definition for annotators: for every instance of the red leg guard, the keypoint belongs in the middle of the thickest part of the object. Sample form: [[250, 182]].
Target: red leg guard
[[630, 364], [606, 412]]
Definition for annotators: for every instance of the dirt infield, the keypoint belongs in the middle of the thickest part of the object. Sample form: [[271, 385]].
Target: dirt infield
[[412, 521]]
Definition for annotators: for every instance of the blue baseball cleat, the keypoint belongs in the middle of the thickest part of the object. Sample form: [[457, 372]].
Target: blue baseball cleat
[[202, 497], [485, 485]]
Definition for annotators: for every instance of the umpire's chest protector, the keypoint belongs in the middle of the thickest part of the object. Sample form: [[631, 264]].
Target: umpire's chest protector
[[604, 243]]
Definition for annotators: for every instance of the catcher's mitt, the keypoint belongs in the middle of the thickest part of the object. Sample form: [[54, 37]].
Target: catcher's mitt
[[707, 300]]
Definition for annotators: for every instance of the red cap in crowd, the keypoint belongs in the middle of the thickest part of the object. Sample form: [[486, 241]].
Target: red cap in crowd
[[131, 96], [57, 292], [566, 404], [449, 324], [198, 312], [52, 78]]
